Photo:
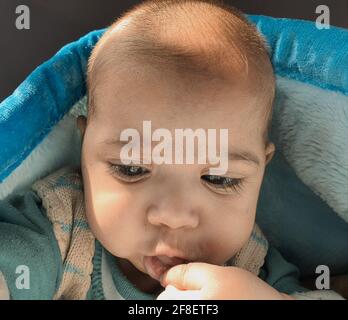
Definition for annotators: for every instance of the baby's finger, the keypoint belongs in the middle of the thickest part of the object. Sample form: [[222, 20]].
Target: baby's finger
[[191, 276], [172, 293]]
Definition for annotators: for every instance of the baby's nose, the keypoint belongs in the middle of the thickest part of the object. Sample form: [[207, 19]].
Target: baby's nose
[[173, 218]]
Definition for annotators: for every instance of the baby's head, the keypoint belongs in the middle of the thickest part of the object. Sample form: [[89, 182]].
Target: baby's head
[[179, 64]]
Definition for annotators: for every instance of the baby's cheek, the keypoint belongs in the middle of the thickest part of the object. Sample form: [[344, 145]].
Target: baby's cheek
[[235, 225], [111, 218], [245, 204]]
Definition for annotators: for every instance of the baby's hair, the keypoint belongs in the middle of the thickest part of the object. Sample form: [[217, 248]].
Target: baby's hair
[[205, 38]]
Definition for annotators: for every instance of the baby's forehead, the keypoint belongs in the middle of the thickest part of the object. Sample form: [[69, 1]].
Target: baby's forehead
[[150, 90], [157, 86], [170, 105]]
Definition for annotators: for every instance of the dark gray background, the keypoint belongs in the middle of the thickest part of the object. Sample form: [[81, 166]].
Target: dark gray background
[[55, 23]]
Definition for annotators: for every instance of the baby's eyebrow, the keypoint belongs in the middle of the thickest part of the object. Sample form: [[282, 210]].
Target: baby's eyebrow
[[244, 155], [237, 154]]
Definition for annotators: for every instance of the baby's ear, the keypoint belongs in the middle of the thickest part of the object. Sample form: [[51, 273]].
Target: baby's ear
[[270, 149], [81, 124]]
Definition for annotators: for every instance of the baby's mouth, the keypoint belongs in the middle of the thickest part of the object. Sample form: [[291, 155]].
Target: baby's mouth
[[155, 266]]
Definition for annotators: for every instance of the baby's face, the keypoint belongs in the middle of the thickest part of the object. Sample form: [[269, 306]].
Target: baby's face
[[168, 209]]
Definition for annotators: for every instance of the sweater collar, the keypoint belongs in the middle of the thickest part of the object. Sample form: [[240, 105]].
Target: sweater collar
[[125, 288]]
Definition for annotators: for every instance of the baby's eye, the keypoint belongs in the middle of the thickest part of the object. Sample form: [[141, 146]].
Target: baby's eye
[[224, 184], [129, 172]]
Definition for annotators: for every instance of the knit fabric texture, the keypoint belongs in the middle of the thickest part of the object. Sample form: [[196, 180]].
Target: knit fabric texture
[[62, 198]]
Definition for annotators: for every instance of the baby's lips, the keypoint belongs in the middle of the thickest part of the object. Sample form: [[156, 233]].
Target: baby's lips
[[171, 261]]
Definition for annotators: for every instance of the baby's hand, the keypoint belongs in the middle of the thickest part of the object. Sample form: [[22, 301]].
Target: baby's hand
[[203, 281]]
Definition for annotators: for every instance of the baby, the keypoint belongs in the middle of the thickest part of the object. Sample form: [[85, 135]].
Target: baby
[[136, 228]]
